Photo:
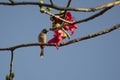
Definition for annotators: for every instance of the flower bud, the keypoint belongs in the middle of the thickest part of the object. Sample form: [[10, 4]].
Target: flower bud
[[7, 77], [12, 75], [42, 10], [62, 11], [41, 1], [48, 8], [57, 25], [64, 35]]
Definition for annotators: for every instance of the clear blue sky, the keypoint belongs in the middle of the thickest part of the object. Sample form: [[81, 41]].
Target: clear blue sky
[[94, 59]]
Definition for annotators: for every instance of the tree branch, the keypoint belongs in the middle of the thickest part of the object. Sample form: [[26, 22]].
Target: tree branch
[[63, 8], [51, 2], [49, 13], [86, 19], [89, 36], [64, 43], [92, 17]]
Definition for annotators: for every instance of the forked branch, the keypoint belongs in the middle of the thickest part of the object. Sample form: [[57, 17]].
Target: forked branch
[[114, 3], [89, 36]]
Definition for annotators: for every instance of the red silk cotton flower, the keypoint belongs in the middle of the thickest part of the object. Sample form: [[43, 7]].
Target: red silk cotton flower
[[70, 18], [57, 38], [59, 34]]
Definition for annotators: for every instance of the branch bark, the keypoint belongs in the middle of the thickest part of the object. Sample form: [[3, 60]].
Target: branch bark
[[63, 8], [89, 36], [86, 19], [64, 43]]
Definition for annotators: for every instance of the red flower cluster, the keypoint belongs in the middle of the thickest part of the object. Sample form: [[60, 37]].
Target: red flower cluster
[[57, 38], [59, 34], [72, 28]]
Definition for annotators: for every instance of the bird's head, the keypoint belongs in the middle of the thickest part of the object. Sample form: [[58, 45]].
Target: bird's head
[[44, 30]]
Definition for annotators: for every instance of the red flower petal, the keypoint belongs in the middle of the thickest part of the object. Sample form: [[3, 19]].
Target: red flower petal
[[58, 37], [55, 19], [58, 32], [69, 16], [55, 40], [72, 28]]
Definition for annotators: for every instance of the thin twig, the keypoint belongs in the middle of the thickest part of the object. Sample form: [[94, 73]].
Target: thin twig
[[66, 33], [51, 2], [12, 2], [11, 64], [68, 4], [49, 13]]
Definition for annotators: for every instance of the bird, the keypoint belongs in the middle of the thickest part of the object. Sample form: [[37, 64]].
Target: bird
[[42, 39]]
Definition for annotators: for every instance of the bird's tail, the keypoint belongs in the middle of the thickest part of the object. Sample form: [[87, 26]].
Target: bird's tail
[[42, 53]]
